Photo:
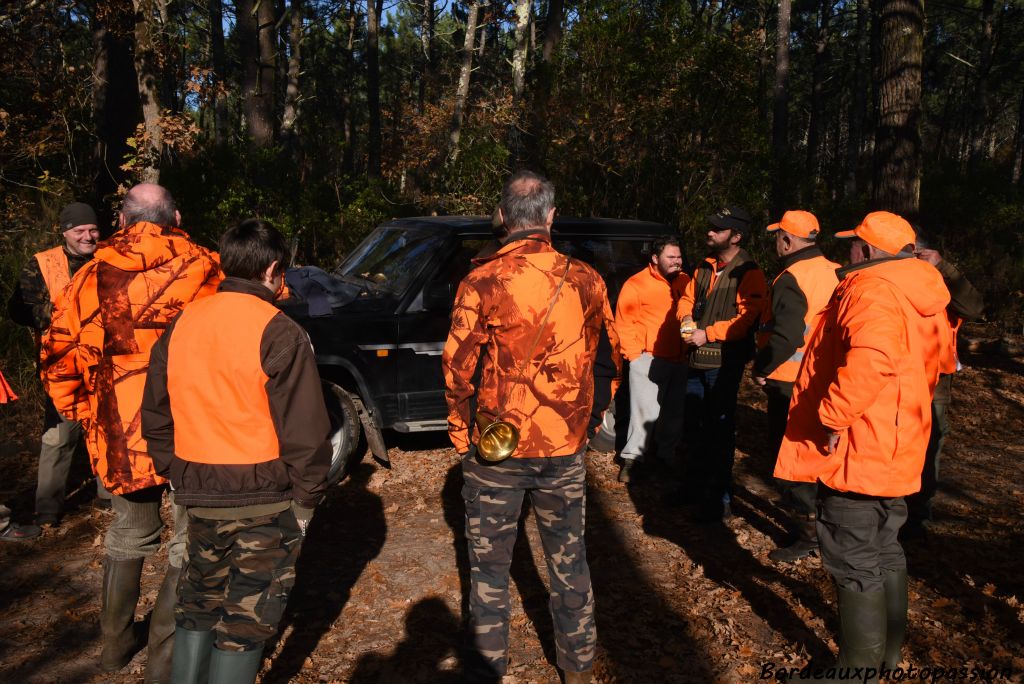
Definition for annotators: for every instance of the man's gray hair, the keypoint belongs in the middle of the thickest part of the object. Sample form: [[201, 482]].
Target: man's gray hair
[[156, 206], [526, 200]]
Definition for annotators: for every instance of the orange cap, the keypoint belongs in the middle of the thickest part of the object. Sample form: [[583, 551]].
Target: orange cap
[[883, 230], [798, 223]]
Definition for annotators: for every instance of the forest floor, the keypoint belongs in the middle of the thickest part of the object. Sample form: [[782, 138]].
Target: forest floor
[[383, 571]]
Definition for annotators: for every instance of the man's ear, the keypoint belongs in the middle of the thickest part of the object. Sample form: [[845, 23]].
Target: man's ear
[[177, 218], [550, 218], [268, 275]]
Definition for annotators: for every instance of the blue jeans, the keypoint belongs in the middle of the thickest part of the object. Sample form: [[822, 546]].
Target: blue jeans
[[710, 420]]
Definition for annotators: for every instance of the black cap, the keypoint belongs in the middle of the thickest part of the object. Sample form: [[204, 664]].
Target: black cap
[[731, 218], [77, 214]]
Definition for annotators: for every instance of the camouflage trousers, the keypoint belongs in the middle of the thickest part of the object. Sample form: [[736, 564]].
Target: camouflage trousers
[[237, 577], [494, 498]]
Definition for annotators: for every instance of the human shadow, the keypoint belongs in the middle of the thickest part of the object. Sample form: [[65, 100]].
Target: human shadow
[[346, 533], [431, 641], [715, 548], [642, 637]]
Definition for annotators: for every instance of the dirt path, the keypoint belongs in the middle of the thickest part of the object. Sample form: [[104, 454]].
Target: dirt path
[[382, 575]]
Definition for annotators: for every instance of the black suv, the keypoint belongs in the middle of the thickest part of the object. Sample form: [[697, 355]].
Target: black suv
[[379, 322]]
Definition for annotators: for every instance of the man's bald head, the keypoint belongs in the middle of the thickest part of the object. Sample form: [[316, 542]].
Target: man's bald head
[[527, 201], [150, 203]]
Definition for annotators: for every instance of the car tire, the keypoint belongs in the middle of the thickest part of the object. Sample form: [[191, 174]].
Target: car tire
[[346, 430]]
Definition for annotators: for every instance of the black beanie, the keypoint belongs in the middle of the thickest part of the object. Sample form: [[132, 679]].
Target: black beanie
[[76, 214]]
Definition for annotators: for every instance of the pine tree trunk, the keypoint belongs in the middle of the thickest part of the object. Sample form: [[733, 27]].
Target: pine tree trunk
[[219, 64], [544, 84], [898, 141], [859, 105], [519, 53], [373, 12], [818, 75], [462, 90], [290, 117], [426, 52], [348, 115], [147, 70], [780, 109], [981, 88]]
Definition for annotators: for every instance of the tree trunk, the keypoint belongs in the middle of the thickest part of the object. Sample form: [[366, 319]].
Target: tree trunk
[[426, 51], [544, 84], [859, 105], [522, 41], [818, 75], [147, 70], [780, 108], [348, 116], [462, 91], [289, 120], [115, 105], [219, 64], [373, 12], [981, 89], [1018, 147], [255, 30], [898, 141]]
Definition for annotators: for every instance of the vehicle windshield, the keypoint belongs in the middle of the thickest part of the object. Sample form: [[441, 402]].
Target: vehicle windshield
[[388, 260]]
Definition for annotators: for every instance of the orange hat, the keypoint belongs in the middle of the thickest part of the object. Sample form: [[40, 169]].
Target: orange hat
[[883, 230], [798, 223]]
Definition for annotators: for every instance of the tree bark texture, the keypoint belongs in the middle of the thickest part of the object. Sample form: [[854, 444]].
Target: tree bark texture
[[898, 140], [257, 52], [859, 103], [780, 108], [373, 12], [519, 53], [219, 65], [290, 117], [147, 70], [462, 90], [115, 104]]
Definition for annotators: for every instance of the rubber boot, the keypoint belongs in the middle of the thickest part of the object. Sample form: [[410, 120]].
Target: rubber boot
[[862, 625], [117, 614], [192, 651], [161, 630], [577, 677], [806, 543], [895, 615], [235, 667]]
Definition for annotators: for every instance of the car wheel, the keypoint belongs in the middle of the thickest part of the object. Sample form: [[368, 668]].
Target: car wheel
[[346, 430]]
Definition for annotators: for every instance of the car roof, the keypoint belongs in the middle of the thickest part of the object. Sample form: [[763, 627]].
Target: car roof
[[562, 225]]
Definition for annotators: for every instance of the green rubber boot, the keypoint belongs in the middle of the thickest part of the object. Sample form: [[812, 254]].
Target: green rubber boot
[[190, 663], [235, 667], [862, 626], [895, 615]]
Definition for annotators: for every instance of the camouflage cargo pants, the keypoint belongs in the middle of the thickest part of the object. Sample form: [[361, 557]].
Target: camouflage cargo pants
[[237, 577], [494, 499]]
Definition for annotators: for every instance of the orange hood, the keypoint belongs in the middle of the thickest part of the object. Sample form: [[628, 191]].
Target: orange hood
[[143, 247]]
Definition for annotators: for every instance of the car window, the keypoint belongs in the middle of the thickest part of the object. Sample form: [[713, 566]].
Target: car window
[[390, 258], [615, 259]]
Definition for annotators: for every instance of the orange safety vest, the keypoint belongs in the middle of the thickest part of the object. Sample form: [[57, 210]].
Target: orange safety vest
[[53, 264], [218, 400], [816, 278]]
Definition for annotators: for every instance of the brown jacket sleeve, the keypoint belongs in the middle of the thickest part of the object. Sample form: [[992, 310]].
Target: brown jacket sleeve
[[297, 407]]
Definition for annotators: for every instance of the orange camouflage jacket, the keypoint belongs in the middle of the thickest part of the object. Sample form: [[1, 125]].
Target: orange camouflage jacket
[[96, 351], [498, 310]]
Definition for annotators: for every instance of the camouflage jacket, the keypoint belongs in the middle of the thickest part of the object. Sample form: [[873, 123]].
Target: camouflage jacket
[[96, 351], [498, 309]]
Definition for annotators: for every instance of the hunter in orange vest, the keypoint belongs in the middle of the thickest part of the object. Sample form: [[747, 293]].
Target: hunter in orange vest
[[859, 423], [94, 361], [798, 295], [40, 285], [234, 415]]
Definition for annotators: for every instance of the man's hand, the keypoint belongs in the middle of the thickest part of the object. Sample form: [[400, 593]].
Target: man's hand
[[929, 255], [699, 338], [759, 380], [832, 443]]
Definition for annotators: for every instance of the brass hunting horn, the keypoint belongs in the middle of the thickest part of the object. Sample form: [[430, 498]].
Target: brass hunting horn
[[499, 438]]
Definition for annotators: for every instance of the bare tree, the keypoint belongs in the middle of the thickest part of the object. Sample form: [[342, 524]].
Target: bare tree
[[465, 72], [544, 83], [897, 162], [219, 64], [290, 117], [522, 42], [147, 70], [257, 49], [780, 108], [426, 51]]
